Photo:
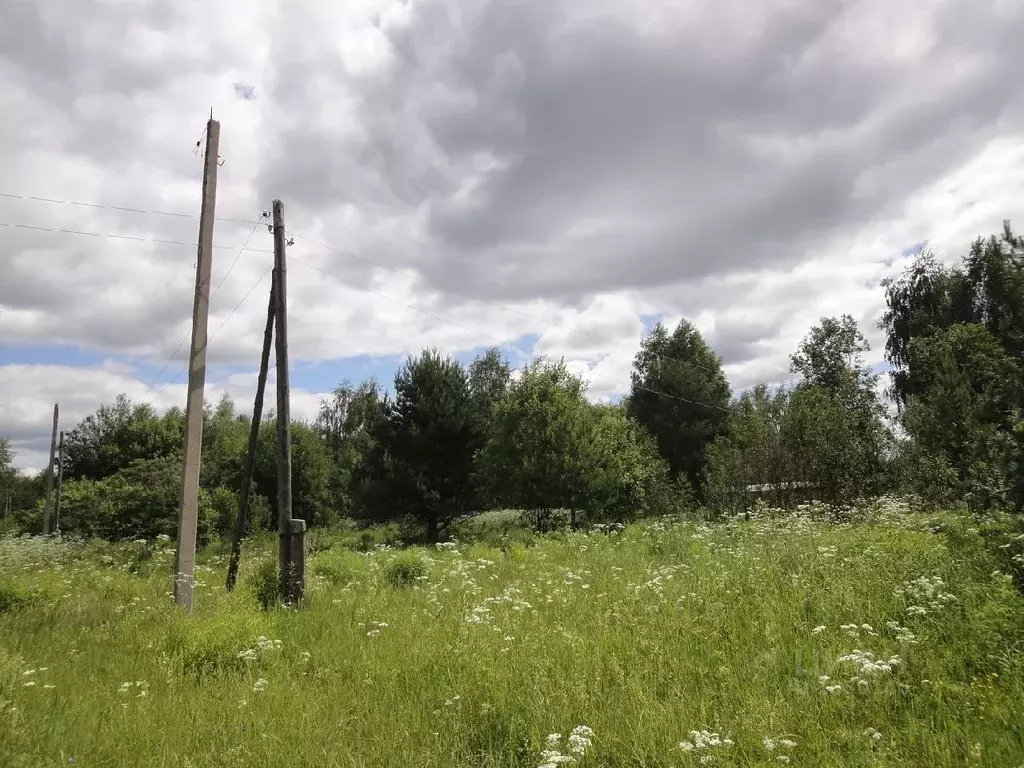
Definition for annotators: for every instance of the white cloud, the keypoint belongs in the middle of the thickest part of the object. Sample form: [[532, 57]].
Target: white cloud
[[27, 414], [751, 170]]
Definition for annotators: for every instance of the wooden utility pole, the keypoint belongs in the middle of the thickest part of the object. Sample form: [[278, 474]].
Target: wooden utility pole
[[60, 481], [254, 436], [48, 503], [188, 509], [290, 552]]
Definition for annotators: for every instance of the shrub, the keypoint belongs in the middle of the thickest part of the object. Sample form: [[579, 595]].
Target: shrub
[[406, 569], [333, 572], [13, 598], [266, 584], [208, 647]]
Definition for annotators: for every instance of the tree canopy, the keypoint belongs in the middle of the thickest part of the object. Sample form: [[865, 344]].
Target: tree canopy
[[680, 394]]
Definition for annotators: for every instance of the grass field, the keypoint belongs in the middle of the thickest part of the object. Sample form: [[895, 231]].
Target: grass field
[[894, 640]]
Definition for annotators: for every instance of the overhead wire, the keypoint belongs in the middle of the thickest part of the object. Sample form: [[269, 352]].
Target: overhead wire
[[335, 276], [121, 208], [156, 240], [220, 327], [343, 252], [216, 290]]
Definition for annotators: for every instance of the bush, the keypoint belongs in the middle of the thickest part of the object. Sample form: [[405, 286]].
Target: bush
[[266, 584], [406, 569], [333, 572], [12, 598], [210, 647]]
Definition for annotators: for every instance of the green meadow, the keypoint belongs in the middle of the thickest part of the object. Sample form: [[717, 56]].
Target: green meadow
[[873, 638]]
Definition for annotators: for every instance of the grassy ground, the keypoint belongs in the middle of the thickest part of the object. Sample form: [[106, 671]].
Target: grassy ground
[[893, 641]]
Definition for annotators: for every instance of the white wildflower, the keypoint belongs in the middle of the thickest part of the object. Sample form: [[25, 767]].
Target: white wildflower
[[260, 685]]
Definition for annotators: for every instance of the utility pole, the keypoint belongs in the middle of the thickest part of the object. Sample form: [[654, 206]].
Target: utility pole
[[254, 436], [188, 509], [291, 533], [49, 472], [60, 480]]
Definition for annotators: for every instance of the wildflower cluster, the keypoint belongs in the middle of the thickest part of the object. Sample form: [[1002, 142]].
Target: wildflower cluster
[[32, 681], [141, 688], [261, 647], [830, 687], [703, 742], [926, 595], [868, 665], [781, 745], [854, 630], [579, 741], [903, 634]]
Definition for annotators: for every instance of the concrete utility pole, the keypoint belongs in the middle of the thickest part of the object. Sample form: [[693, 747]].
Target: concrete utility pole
[[60, 481], [188, 510], [254, 436], [47, 504], [291, 533]]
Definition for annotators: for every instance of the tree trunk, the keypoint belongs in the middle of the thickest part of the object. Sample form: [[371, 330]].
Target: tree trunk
[[432, 528]]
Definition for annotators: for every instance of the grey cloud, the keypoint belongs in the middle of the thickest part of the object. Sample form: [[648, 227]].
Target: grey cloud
[[627, 156], [648, 159]]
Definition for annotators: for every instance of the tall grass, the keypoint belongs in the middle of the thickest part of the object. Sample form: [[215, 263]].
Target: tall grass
[[745, 643]]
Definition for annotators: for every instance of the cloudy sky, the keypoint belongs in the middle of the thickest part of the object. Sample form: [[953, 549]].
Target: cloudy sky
[[461, 173]]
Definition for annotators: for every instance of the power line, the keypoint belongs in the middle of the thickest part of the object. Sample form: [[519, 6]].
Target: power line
[[239, 254], [501, 342], [418, 278], [122, 209], [219, 327], [158, 241], [215, 291], [347, 254]]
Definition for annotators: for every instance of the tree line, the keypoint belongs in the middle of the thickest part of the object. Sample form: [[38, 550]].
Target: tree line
[[449, 441]]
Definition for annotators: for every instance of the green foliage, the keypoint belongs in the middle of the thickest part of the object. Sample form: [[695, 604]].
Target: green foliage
[[676, 625], [139, 501], [206, 647], [405, 570], [421, 463], [13, 597], [265, 583], [7, 473], [826, 438], [680, 394], [334, 571], [533, 458], [223, 503], [986, 289], [312, 467], [346, 422], [225, 440], [118, 435], [549, 449]]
